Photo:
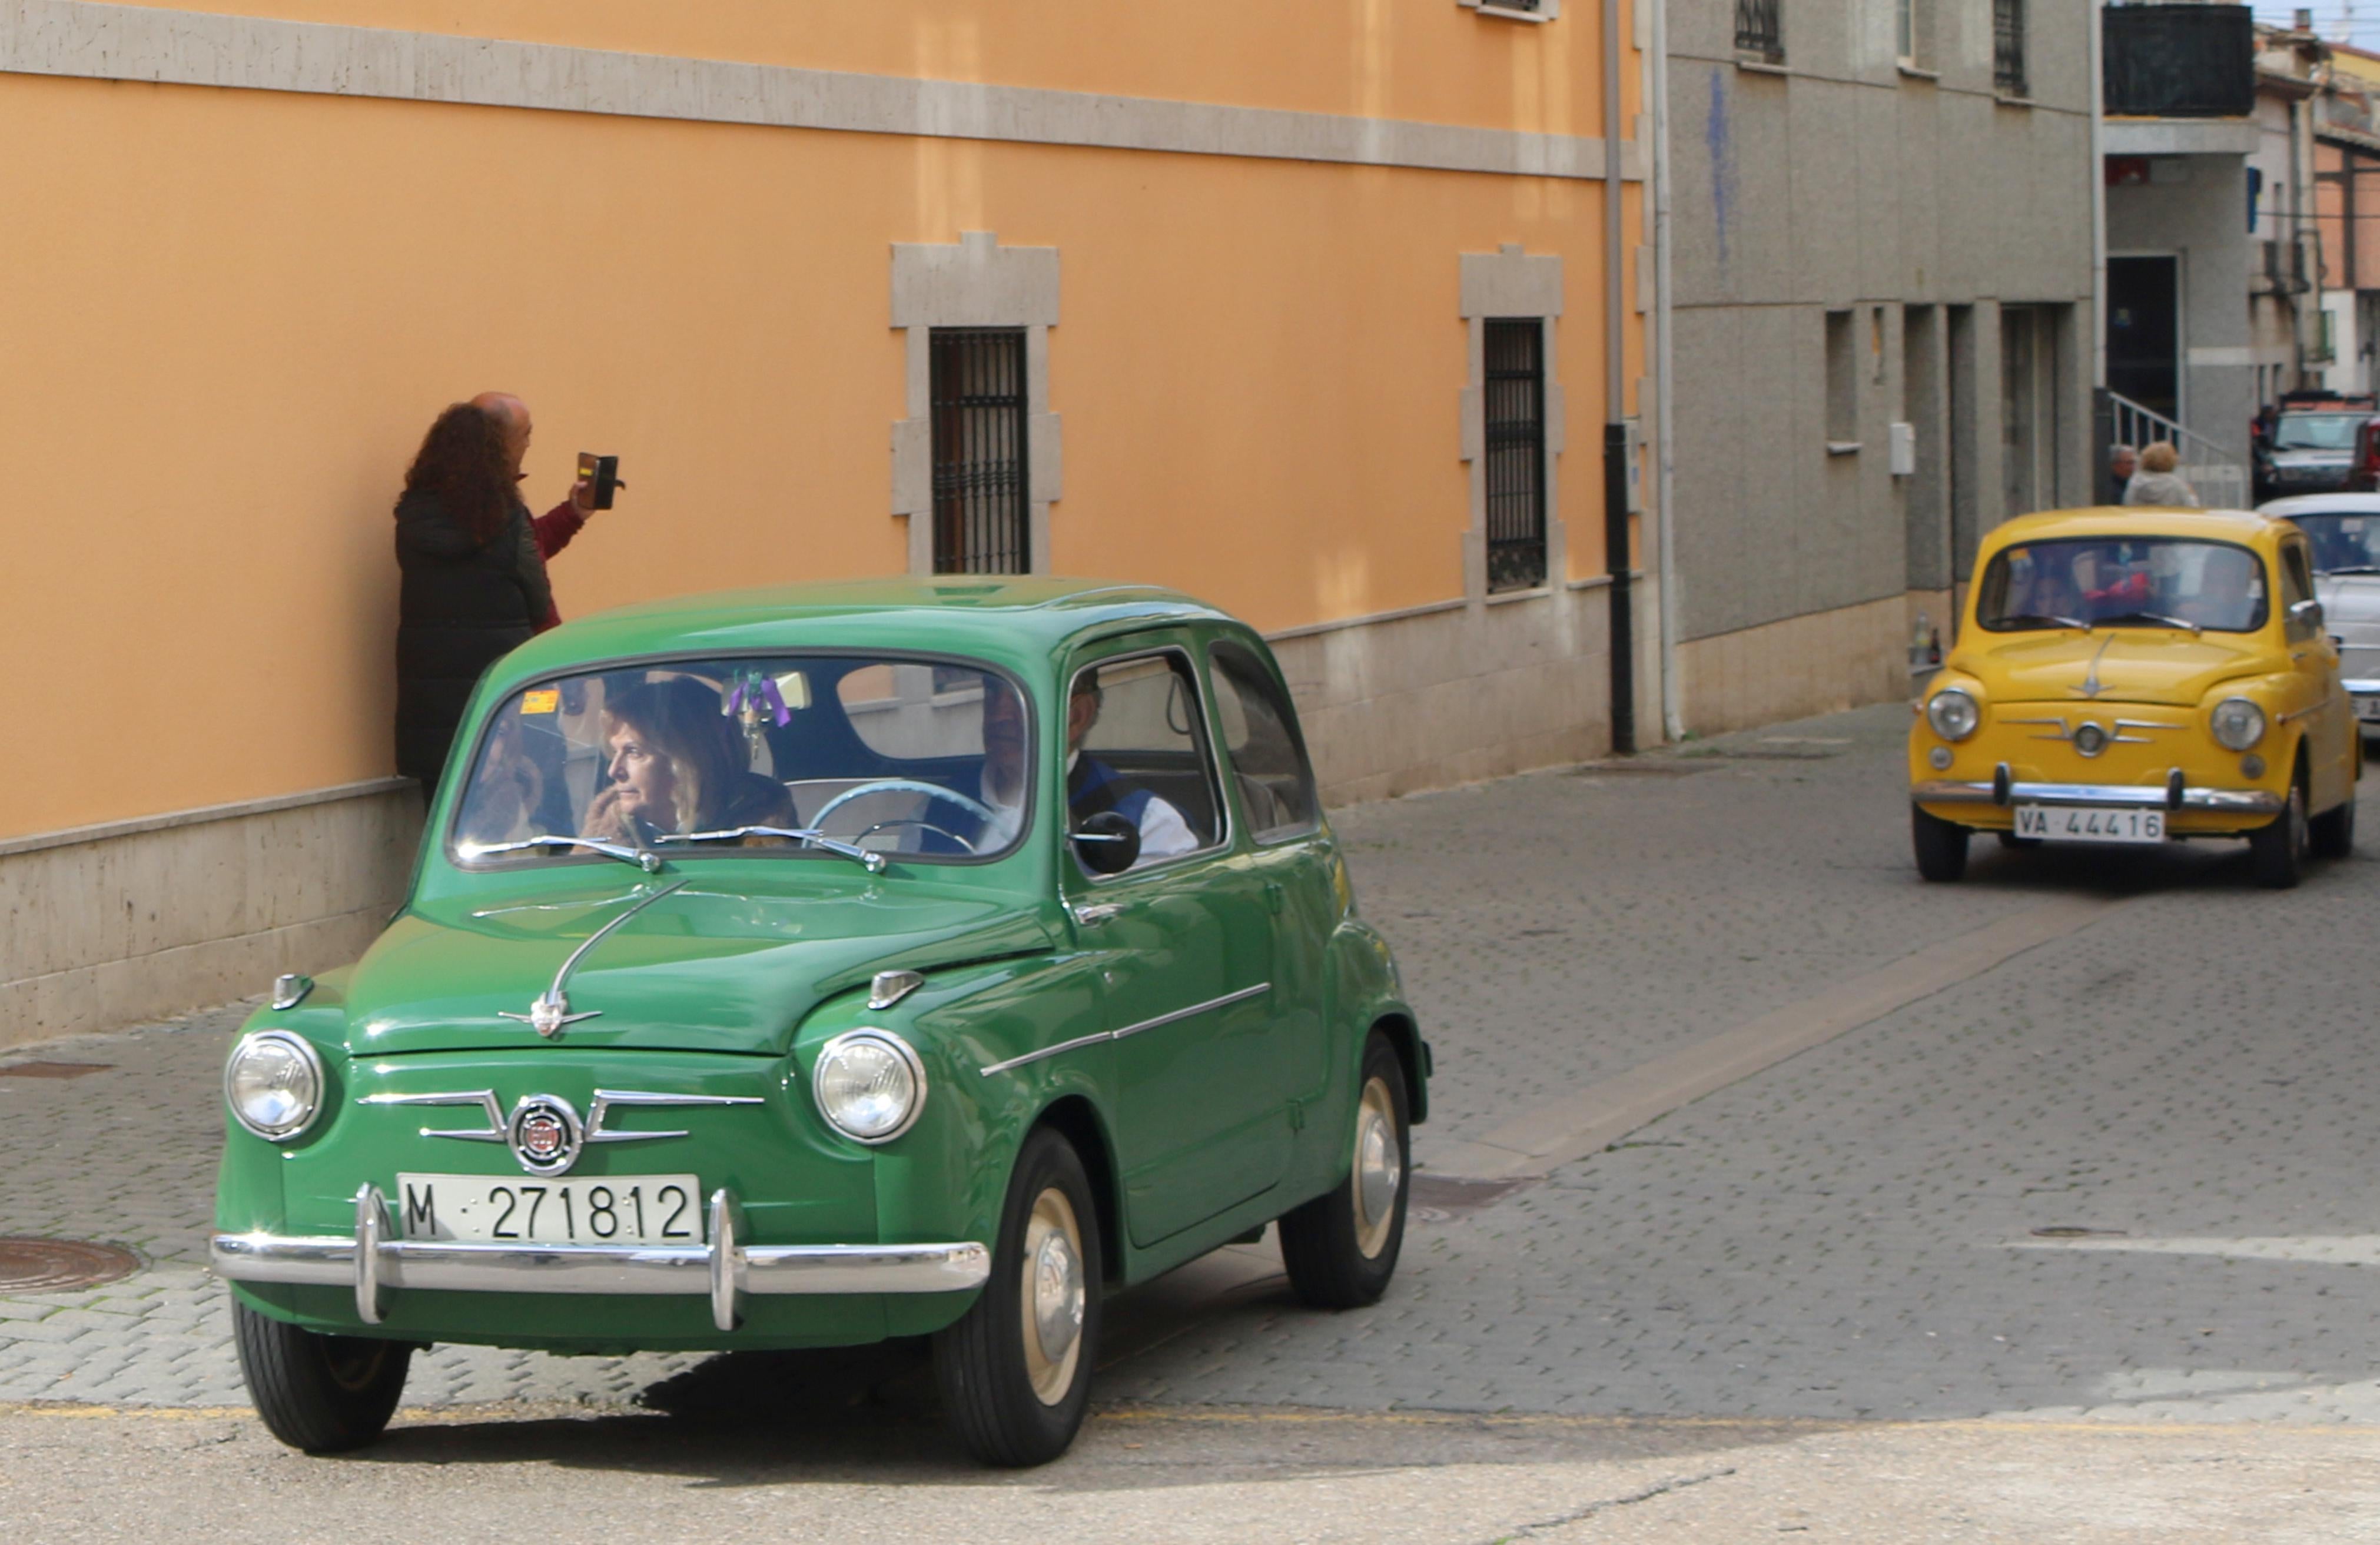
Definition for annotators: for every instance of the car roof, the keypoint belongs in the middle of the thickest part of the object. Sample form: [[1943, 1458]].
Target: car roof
[[1015, 621], [2321, 504], [2133, 520]]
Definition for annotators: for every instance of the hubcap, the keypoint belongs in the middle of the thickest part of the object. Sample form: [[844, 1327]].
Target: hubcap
[[1053, 1296], [1380, 1169]]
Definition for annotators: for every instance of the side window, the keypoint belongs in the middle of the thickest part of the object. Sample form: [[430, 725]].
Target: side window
[[1137, 745], [1268, 764], [2297, 584]]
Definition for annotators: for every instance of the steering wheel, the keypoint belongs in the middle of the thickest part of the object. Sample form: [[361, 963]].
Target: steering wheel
[[922, 825], [976, 808]]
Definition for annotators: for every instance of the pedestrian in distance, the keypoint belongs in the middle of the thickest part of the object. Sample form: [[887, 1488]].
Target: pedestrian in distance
[[2123, 462], [473, 559], [2156, 482]]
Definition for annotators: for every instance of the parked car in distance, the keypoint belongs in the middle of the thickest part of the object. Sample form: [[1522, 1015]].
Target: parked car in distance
[[2343, 532], [2139, 676], [2312, 451], [817, 966]]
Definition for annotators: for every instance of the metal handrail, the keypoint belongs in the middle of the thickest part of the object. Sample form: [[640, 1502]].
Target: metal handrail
[[2132, 421]]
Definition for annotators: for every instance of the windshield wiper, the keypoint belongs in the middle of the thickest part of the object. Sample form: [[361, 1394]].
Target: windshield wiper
[[2159, 618], [871, 861], [650, 863], [2047, 617]]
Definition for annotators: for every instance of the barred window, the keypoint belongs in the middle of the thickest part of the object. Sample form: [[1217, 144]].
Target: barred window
[[981, 497], [1515, 424], [1759, 30], [2008, 47]]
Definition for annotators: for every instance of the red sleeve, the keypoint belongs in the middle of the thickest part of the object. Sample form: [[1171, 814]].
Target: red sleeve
[[557, 526]]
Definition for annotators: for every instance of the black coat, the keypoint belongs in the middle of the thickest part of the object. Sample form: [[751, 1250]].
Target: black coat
[[463, 607]]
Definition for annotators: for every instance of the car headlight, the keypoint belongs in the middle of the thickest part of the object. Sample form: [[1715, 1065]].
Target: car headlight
[[1952, 712], [869, 1085], [273, 1084], [2237, 723]]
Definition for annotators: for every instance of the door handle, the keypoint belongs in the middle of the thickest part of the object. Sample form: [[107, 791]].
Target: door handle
[[1273, 897], [1094, 913]]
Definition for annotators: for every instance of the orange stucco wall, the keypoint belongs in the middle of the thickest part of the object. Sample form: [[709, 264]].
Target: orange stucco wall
[[226, 317]]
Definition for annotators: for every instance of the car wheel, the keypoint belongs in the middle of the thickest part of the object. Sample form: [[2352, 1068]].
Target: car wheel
[[2332, 833], [1016, 1370], [1941, 845], [322, 1394], [1340, 1249], [2278, 849]]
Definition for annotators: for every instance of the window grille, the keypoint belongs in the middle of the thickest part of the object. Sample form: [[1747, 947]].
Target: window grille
[[1759, 30], [2008, 47], [982, 500], [1515, 425]]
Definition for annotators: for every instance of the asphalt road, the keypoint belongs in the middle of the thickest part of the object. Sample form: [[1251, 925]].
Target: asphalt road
[[2037, 1209]]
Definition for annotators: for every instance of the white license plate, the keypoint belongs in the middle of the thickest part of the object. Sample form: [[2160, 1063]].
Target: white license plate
[[2367, 708], [2055, 823], [616, 1210]]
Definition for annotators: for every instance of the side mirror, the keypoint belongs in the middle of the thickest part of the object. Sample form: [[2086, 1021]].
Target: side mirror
[[1107, 843], [2306, 614]]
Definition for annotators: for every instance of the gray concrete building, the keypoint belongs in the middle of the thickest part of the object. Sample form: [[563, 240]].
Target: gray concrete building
[[1880, 313]]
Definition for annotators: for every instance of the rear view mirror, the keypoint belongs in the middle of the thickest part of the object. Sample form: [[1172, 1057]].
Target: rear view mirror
[[1107, 843]]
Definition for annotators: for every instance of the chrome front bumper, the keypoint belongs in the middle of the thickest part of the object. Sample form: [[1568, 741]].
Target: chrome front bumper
[[723, 1269], [2097, 796]]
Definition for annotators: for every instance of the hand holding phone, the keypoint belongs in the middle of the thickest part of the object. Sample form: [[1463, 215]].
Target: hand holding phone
[[600, 475]]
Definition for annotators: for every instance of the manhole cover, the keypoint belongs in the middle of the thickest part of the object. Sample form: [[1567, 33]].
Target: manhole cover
[[51, 1265]]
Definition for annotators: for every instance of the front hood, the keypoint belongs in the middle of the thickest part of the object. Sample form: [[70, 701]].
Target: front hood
[[2126, 664], [703, 969]]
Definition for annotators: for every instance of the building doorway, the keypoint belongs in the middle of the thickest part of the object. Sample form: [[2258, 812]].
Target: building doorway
[[2144, 332]]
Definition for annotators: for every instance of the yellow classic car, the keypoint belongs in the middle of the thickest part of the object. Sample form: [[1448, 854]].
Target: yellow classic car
[[2138, 676]]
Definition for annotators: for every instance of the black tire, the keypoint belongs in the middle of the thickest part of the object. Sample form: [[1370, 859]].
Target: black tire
[[1941, 846], [322, 1394], [2012, 841], [2277, 850], [2332, 833], [1340, 1249], [1007, 1399]]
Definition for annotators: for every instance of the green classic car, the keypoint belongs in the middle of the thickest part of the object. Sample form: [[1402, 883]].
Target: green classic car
[[815, 966]]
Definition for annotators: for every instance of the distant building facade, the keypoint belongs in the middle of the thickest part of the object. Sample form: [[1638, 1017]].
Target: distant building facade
[[1882, 311]]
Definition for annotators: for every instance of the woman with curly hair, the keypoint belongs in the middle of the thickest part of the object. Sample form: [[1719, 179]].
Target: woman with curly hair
[[473, 562], [677, 763]]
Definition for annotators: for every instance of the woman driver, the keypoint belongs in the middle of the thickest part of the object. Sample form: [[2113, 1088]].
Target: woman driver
[[677, 766]]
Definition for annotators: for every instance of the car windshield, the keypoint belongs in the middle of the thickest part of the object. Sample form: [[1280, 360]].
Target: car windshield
[[2344, 541], [850, 753], [2316, 431], [2147, 581]]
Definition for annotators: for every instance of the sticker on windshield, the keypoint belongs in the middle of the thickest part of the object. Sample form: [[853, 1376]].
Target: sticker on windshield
[[545, 700]]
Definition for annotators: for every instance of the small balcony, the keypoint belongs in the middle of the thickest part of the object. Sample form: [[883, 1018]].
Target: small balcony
[[2179, 61]]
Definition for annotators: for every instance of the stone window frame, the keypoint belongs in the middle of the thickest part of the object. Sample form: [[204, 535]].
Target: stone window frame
[[1510, 282], [973, 283], [1545, 10]]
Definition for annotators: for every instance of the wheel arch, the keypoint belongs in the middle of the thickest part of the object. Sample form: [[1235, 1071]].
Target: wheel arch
[[1405, 1037], [1073, 1118]]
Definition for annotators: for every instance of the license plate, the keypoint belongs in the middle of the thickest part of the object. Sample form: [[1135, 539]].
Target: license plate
[[619, 1209], [2367, 708], [2053, 823]]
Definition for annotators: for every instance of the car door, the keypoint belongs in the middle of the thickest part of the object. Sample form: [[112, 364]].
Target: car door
[[1294, 854], [2316, 696], [1184, 941]]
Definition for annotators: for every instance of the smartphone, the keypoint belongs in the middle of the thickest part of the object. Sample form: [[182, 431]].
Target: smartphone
[[603, 474]]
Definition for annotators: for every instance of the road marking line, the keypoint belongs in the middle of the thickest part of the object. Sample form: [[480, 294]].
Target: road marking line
[[1602, 1113], [2337, 1250]]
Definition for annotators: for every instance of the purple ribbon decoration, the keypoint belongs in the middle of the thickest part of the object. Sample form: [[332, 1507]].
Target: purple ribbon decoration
[[757, 692]]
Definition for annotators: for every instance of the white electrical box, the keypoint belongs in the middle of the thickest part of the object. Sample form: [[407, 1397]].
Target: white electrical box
[[1901, 443]]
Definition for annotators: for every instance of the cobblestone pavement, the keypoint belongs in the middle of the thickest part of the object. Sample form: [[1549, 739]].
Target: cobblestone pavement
[[1848, 1235]]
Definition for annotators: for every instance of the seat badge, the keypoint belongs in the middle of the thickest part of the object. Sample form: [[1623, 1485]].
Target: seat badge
[[545, 1134]]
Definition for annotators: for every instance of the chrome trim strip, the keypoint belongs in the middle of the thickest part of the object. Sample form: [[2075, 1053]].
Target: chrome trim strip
[[459, 1267], [484, 1098], [1082, 1041], [2104, 796], [371, 1223], [595, 1130], [727, 1263]]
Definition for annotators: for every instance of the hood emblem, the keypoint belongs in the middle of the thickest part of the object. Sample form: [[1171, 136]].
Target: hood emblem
[[544, 1134], [550, 1010], [2091, 686]]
